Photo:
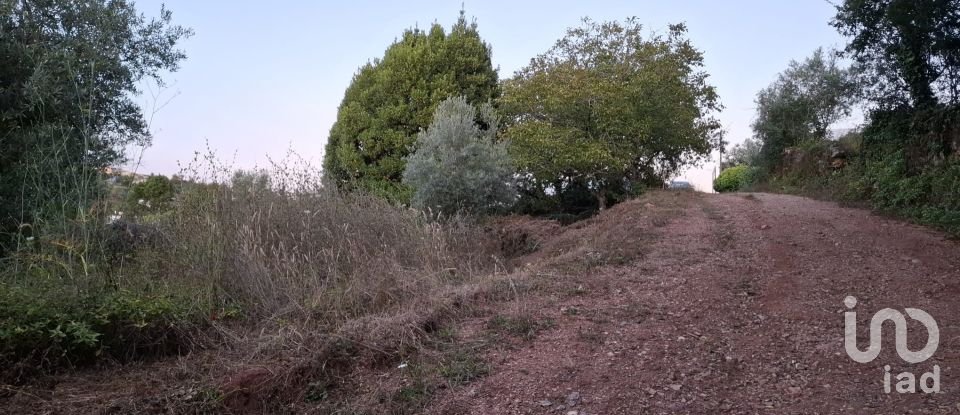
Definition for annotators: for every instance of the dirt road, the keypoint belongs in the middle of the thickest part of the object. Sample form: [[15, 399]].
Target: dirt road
[[735, 306]]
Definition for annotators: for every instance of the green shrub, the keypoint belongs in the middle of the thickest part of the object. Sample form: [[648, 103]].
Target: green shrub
[[930, 197], [50, 325], [150, 196], [460, 166], [732, 179], [884, 183]]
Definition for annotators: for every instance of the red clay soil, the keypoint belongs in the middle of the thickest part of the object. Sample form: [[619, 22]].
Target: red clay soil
[[678, 304], [736, 307]]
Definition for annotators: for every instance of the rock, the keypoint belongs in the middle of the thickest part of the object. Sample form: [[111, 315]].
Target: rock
[[675, 386], [793, 390], [764, 227], [545, 403], [573, 399], [573, 412]]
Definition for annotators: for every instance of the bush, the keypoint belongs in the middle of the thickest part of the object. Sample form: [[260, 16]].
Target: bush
[[49, 325], [459, 165], [152, 195], [931, 197], [292, 250], [732, 179]]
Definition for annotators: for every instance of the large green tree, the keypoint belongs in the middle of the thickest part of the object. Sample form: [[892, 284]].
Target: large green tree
[[801, 105], [607, 108], [910, 49], [68, 73], [393, 98]]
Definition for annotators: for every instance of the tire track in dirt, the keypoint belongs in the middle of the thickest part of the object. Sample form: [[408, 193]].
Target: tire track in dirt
[[740, 300]]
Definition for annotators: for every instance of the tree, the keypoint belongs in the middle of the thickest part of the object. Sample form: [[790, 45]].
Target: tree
[[909, 49], [68, 72], [745, 153], [250, 183], [392, 99], [607, 109], [805, 100], [459, 166], [152, 195]]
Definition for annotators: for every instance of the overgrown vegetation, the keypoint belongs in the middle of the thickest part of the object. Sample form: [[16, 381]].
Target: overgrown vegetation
[[316, 271], [68, 74], [906, 71]]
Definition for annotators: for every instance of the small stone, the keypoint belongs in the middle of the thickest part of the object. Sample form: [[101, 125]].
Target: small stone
[[764, 227], [573, 399], [573, 412], [793, 390], [675, 386], [545, 403]]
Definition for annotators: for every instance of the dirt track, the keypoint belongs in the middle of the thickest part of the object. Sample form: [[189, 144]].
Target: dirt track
[[735, 307]]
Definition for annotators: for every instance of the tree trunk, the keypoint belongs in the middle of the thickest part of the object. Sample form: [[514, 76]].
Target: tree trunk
[[601, 199]]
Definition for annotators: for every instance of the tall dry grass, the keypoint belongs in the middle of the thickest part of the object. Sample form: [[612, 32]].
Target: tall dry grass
[[277, 243]]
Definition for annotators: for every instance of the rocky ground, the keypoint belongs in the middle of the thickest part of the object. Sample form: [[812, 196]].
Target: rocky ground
[[736, 306]]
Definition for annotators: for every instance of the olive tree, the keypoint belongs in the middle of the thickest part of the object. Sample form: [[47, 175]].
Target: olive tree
[[458, 165], [69, 72]]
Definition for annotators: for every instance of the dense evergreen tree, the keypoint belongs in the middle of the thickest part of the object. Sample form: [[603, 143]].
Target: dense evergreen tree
[[393, 98]]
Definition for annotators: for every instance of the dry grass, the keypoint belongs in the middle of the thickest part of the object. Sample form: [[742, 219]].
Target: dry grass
[[306, 281], [310, 291]]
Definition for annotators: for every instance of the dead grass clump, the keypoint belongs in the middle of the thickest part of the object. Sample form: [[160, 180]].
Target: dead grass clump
[[296, 249]]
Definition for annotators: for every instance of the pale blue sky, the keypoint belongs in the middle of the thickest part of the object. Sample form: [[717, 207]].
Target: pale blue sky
[[262, 77]]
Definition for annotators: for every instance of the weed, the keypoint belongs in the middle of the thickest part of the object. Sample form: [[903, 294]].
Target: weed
[[525, 327], [463, 366]]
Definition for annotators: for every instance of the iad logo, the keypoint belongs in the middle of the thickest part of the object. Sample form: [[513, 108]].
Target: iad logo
[[906, 381]]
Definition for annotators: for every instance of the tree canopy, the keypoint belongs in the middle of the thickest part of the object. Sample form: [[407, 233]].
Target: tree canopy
[[805, 100], [392, 99], [746, 152], [909, 49], [606, 107], [68, 74]]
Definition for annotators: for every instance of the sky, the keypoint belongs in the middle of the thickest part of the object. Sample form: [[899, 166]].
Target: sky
[[262, 78]]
